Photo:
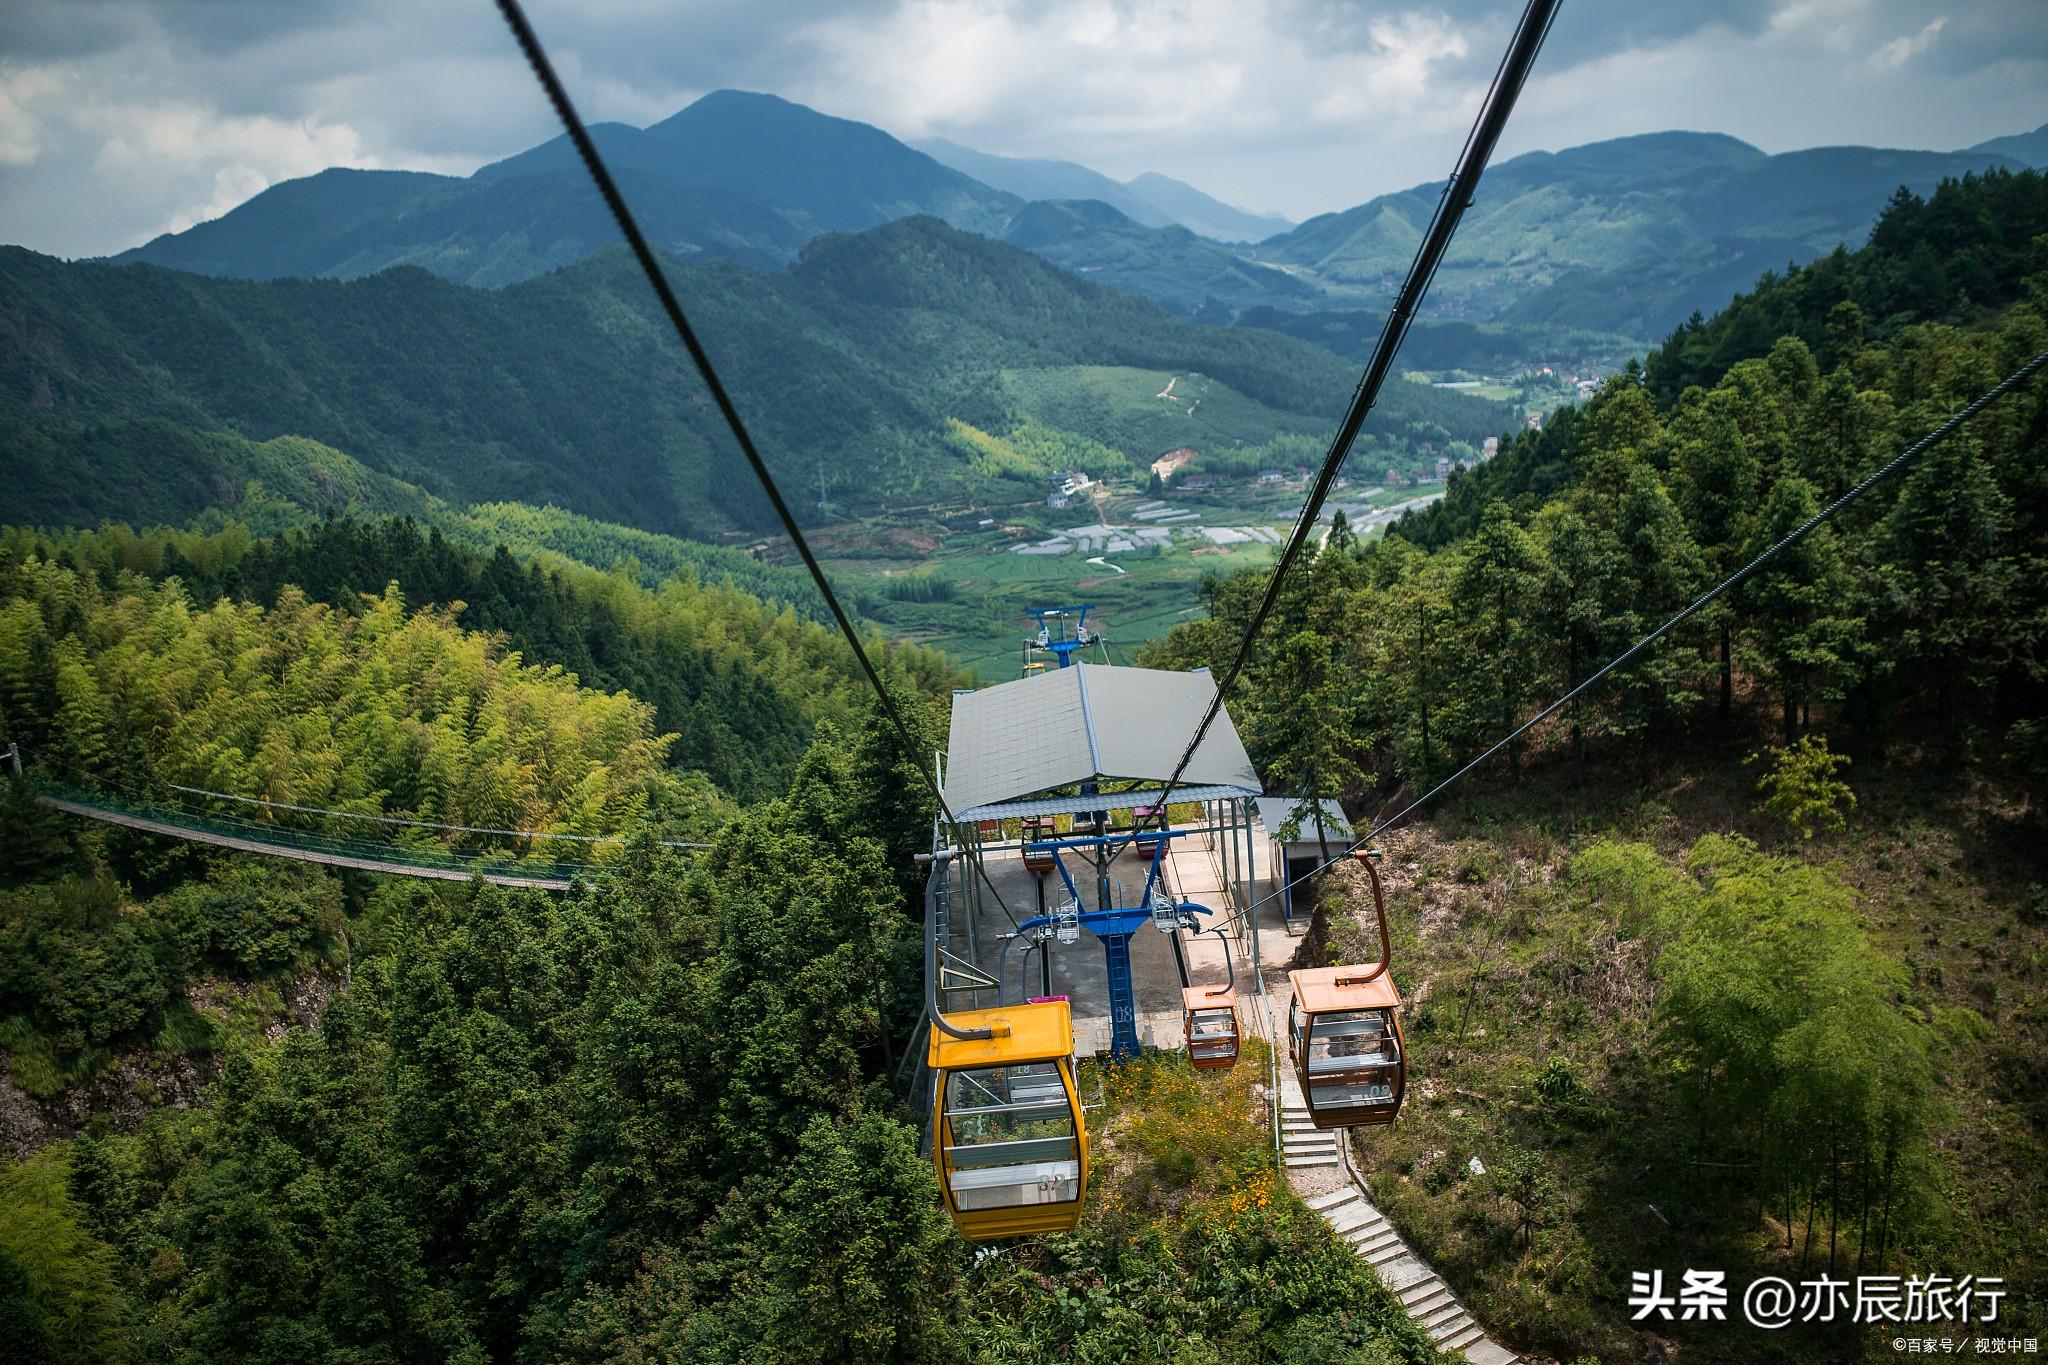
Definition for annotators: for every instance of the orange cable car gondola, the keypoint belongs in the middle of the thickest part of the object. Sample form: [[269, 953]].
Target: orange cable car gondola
[[1209, 1017], [1008, 1136], [1209, 1020], [1344, 1032]]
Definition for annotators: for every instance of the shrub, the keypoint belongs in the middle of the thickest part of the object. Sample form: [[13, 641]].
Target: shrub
[[1801, 788]]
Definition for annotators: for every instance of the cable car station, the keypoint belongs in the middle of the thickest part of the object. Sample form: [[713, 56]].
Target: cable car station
[[1068, 915], [1076, 909]]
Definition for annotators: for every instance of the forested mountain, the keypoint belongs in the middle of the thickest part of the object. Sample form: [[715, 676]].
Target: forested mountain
[[1625, 237], [737, 175], [569, 390], [737, 686], [1628, 235]]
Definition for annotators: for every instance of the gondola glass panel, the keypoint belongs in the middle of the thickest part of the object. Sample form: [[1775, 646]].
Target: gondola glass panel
[[1345, 1036], [1008, 1137]]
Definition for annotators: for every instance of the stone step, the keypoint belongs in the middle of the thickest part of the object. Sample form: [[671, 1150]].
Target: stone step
[[1334, 1198], [1394, 1249], [1443, 1319], [1366, 1240], [1463, 1337], [1484, 1352], [1348, 1216], [1426, 1296], [1303, 1163]]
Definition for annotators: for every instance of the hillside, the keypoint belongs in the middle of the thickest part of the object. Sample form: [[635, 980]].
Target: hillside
[[567, 390], [1628, 235], [1955, 257]]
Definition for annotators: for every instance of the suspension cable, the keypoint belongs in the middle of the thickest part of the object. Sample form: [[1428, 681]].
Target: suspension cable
[[600, 174], [1933, 438], [1457, 195]]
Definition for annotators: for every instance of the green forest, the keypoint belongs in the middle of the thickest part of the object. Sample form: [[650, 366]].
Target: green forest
[[1737, 962]]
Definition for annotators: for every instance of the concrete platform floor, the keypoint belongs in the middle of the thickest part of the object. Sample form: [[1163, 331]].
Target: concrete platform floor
[[1193, 872]]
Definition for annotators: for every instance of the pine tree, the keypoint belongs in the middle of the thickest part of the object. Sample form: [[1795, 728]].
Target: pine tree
[[1807, 627]]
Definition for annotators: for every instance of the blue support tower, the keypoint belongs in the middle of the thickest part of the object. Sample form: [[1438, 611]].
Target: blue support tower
[[1062, 644], [1113, 926]]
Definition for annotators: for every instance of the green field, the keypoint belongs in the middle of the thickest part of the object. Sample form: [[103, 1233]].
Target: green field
[[985, 620]]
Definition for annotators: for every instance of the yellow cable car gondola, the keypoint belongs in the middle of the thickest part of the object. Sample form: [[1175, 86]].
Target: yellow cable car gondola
[[1008, 1136], [1344, 1032]]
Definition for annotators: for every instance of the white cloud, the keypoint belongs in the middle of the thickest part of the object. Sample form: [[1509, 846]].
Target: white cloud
[[21, 131], [1899, 51]]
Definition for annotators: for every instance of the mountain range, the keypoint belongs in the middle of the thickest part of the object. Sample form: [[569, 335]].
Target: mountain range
[[911, 363], [1629, 235], [1624, 237]]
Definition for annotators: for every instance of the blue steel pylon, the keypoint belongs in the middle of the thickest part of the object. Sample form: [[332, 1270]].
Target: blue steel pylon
[[1113, 925]]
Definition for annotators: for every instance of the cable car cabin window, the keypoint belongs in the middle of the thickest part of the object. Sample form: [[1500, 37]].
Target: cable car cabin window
[[1212, 1037], [1349, 1058], [1010, 1137]]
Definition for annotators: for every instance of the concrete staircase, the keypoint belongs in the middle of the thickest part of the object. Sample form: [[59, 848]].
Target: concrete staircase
[[1302, 1144], [1365, 1229], [1428, 1299]]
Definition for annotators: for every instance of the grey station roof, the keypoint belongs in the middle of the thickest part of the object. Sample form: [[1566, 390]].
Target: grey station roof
[[1274, 810], [1019, 739]]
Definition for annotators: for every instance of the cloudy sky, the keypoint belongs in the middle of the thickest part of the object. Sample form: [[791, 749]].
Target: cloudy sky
[[120, 119]]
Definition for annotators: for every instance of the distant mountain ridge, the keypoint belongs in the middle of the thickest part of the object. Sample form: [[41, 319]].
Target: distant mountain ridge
[[1151, 199], [1628, 235], [2032, 148], [1624, 237], [742, 176]]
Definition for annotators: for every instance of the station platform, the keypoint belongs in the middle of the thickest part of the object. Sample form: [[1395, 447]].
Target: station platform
[[1194, 871]]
